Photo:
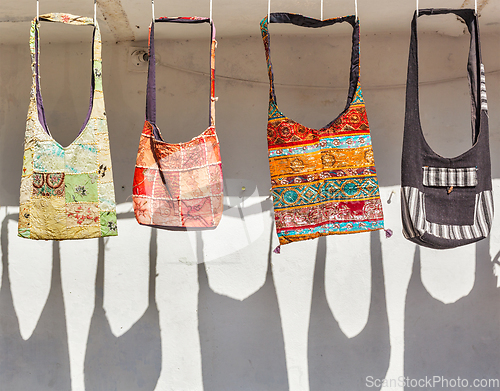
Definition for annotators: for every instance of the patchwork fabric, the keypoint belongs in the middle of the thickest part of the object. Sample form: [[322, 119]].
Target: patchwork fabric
[[178, 185], [82, 188], [48, 185], [67, 193], [108, 223], [323, 180], [81, 213], [48, 156], [170, 194]]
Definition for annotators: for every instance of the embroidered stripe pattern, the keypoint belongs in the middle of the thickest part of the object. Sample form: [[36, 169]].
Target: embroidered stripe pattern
[[347, 142], [324, 191], [442, 176], [323, 180], [484, 98], [415, 222]]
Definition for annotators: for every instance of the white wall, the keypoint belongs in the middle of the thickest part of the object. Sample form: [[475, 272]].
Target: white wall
[[224, 312]]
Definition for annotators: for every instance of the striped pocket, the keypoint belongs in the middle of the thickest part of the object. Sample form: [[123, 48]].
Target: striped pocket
[[449, 177]]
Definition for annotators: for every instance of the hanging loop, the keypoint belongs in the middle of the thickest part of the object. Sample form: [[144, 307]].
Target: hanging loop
[[475, 7], [210, 10], [356, 9], [268, 11], [417, 8], [321, 9], [153, 9], [95, 12], [37, 10]]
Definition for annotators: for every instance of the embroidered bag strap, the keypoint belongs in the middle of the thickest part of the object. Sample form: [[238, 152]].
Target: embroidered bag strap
[[151, 87], [304, 21], [473, 71], [35, 54]]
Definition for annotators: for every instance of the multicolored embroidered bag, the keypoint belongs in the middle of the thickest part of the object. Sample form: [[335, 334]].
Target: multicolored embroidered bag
[[323, 180], [178, 185], [446, 202], [67, 193]]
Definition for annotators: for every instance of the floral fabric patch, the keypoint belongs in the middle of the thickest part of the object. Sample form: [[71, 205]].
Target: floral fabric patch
[[82, 213], [108, 224], [47, 185], [81, 188]]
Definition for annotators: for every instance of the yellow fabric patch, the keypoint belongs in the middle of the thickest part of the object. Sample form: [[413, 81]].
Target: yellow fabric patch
[[32, 111], [29, 142], [26, 189], [102, 141], [24, 216], [48, 218], [330, 159], [86, 232], [28, 162], [98, 47], [98, 110], [104, 170]]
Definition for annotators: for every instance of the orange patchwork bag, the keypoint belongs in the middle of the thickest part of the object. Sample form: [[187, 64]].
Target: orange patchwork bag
[[178, 185]]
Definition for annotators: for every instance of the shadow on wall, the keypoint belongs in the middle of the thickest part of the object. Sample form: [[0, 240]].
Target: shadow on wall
[[251, 328], [242, 346], [132, 361], [42, 362], [454, 340], [335, 361]]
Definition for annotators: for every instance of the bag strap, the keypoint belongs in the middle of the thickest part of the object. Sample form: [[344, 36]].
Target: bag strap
[[473, 69], [304, 21], [151, 87], [35, 54]]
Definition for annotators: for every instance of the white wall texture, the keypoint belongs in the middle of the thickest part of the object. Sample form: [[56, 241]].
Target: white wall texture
[[218, 310]]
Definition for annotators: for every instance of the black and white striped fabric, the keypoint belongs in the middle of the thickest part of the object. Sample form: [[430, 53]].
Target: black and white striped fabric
[[446, 202], [415, 222], [456, 177], [484, 98]]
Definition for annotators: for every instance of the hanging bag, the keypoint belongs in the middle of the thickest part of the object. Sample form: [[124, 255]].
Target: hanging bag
[[446, 202], [178, 185], [67, 193], [323, 180]]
